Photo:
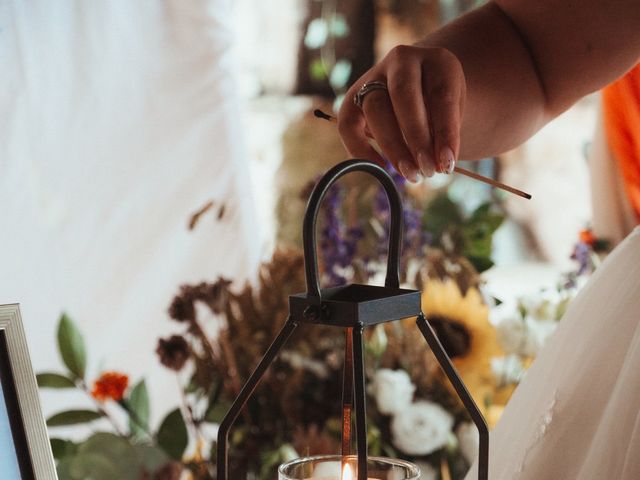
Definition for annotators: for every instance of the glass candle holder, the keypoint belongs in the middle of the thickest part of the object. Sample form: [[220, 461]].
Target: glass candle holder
[[337, 467]]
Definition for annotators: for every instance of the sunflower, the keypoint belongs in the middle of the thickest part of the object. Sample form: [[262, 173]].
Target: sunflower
[[462, 325]]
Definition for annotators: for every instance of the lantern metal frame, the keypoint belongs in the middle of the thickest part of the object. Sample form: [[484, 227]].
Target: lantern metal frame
[[354, 307]]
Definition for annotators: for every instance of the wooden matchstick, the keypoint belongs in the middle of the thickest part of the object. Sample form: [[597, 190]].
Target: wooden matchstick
[[492, 182], [463, 171]]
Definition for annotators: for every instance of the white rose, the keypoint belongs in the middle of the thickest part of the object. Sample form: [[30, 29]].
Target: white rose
[[469, 441], [503, 312], [542, 305], [392, 390], [512, 333], [536, 334], [427, 472], [531, 302], [507, 370], [421, 428], [524, 336]]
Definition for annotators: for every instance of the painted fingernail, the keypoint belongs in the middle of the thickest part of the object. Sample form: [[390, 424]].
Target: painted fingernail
[[425, 164], [409, 171], [447, 160]]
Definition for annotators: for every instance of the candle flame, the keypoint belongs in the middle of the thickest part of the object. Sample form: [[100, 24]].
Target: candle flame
[[346, 472]]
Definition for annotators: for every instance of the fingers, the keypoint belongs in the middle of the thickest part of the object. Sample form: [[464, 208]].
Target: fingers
[[354, 132], [381, 120], [405, 91], [417, 121], [444, 89]]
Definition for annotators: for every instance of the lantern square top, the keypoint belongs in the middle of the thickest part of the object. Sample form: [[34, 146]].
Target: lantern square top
[[355, 305]]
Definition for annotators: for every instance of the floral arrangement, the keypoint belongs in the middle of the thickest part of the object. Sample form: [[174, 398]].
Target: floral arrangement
[[525, 323], [132, 452], [413, 411]]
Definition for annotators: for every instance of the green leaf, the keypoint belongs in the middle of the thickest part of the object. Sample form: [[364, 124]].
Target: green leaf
[[54, 380], [151, 457], [485, 219], [216, 409], [216, 412], [480, 213], [601, 245], [120, 452], [172, 435], [441, 213], [73, 417], [71, 346], [108, 456], [481, 264], [93, 466], [62, 448], [138, 403], [112, 446], [476, 244]]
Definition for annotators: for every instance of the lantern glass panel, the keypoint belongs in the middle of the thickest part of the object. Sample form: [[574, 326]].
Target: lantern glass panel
[[332, 467]]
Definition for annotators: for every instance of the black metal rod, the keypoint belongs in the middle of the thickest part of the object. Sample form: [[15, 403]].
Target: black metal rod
[[463, 393], [248, 388], [309, 227], [361, 402]]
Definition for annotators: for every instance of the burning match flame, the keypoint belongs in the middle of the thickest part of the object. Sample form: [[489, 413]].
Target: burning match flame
[[346, 472]]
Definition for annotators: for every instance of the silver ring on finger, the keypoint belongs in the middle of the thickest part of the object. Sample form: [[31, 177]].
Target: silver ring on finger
[[368, 87]]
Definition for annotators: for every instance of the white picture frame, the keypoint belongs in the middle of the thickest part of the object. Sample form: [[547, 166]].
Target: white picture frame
[[24, 442]]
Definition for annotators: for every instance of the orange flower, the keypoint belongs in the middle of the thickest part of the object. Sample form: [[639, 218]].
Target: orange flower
[[587, 236], [110, 386]]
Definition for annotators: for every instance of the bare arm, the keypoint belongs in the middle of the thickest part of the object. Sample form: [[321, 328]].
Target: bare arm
[[486, 82]]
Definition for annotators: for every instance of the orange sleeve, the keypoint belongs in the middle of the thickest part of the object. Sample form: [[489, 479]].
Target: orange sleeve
[[621, 112]]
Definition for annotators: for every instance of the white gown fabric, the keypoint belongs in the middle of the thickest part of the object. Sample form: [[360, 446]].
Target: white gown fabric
[[576, 415], [118, 120]]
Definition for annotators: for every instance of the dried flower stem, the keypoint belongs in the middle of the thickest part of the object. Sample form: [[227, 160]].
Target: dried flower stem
[[189, 412], [136, 419], [232, 366], [83, 386], [206, 342], [232, 363]]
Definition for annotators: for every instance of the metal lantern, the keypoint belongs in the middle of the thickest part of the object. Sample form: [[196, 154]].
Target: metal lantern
[[353, 307]]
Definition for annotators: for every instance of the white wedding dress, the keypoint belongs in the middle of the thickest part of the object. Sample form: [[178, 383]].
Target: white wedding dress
[[576, 414]]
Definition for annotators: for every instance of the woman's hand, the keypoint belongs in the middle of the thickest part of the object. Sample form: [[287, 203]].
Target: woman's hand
[[416, 122]]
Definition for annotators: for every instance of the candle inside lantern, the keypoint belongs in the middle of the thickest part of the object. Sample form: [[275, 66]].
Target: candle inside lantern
[[346, 472], [336, 467]]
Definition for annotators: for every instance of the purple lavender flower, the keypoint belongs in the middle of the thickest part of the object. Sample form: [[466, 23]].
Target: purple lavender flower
[[582, 255], [338, 243], [414, 238]]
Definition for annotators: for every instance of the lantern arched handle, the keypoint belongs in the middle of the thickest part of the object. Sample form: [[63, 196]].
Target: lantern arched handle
[[309, 226]]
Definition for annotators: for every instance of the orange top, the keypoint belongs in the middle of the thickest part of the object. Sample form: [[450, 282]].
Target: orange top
[[621, 111]]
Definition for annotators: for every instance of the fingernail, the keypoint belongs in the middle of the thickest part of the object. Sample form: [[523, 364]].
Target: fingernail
[[408, 171], [425, 164], [447, 160]]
